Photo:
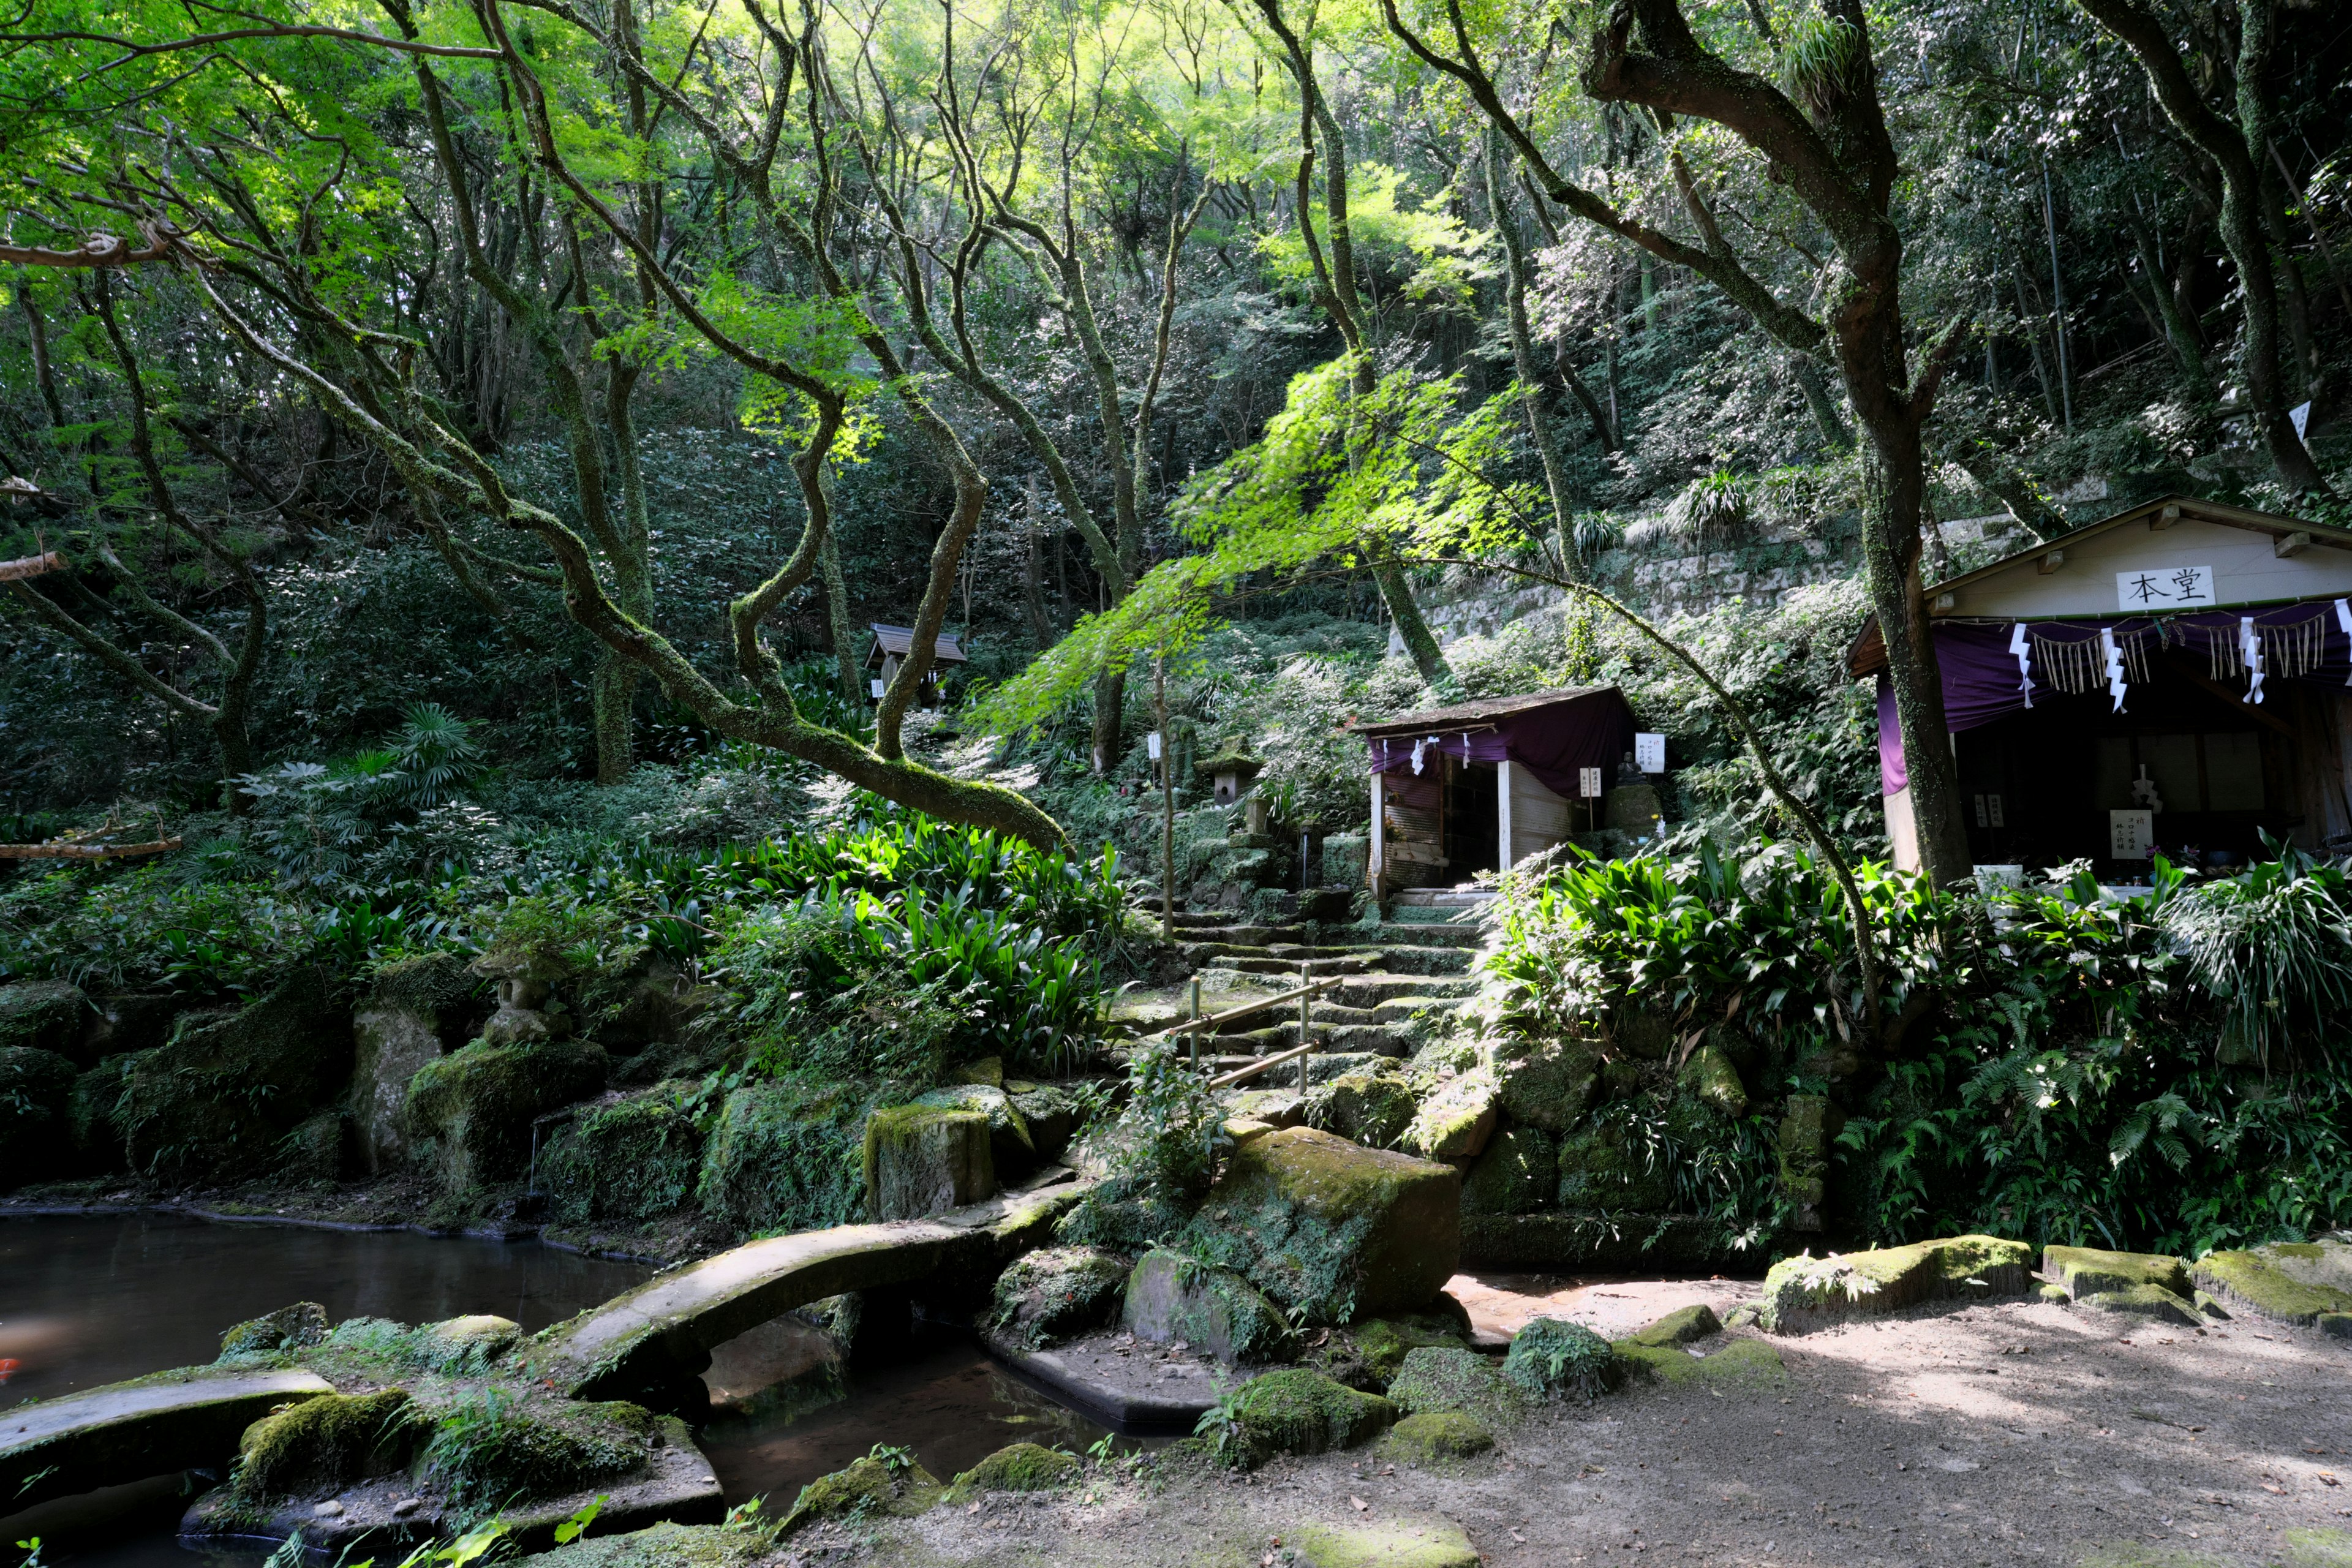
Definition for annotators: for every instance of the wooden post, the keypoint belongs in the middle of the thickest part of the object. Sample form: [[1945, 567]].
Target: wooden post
[[1196, 1025], [1375, 864], [1306, 1040]]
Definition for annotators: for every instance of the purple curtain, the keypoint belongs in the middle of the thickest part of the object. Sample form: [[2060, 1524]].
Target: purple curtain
[[1983, 681], [1594, 731]]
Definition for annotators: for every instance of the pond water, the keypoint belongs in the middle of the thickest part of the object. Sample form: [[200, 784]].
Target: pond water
[[86, 1301]]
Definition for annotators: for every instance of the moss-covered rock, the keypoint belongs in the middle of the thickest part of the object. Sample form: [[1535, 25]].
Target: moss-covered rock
[[325, 1444], [1056, 1293], [1547, 1086], [2153, 1302], [1710, 1075], [320, 1149], [1806, 1292], [1551, 1358], [2085, 1271], [46, 1015], [1172, 1297], [1019, 1468], [1519, 1174], [662, 1546], [1457, 1119], [1372, 1108], [1299, 1412], [1438, 1379], [1390, 1543], [1808, 1129], [1435, 1436], [35, 1129], [1735, 1362], [868, 1486], [1052, 1112], [415, 1010], [785, 1156], [465, 1345], [1333, 1228], [2287, 1282], [1383, 1344], [1682, 1326], [293, 1328], [1601, 1171], [1013, 1151], [923, 1159], [492, 1448], [214, 1100], [634, 1160], [475, 1106]]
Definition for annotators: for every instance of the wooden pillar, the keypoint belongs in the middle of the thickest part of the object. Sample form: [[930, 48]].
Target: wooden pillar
[[1503, 845], [1376, 857]]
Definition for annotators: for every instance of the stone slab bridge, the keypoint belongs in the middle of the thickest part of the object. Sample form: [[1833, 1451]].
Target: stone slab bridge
[[652, 1343]]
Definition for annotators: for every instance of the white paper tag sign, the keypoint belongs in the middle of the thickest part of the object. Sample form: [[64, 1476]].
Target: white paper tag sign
[[1650, 754], [1151, 745], [1587, 783]]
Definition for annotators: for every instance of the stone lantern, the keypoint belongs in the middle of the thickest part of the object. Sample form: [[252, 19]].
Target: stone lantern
[[1231, 772]]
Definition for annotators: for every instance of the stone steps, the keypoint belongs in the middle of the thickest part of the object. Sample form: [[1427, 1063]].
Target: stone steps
[[1372, 990]]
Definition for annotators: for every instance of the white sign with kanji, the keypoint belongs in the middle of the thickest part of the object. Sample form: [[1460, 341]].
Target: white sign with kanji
[[1650, 754], [2131, 834], [2147, 588], [1587, 783]]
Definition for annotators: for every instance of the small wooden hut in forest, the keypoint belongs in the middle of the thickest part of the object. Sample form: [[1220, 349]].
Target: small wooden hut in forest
[[889, 649], [2174, 677], [1478, 786]]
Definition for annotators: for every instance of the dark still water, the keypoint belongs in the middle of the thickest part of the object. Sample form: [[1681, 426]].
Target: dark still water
[[89, 1300]]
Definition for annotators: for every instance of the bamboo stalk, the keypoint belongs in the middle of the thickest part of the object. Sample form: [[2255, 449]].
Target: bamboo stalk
[[84, 851]]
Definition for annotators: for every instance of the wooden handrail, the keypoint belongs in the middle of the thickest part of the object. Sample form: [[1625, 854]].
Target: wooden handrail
[[85, 851], [1227, 1016], [1226, 1080]]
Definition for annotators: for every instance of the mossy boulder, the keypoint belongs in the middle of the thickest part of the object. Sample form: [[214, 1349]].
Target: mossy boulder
[[465, 1345], [474, 1107], [1457, 1119], [214, 1100], [869, 1486], [1683, 1326], [1012, 1150], [1372, 1108], [1438, 1378], [320, 1149], [1808, 1129], [1055, 1294], [2153, 1302], [1807, 1292], [636, 1159], [1435, 1436], [1710, 1075], [923, 1159], [1733, 1363], [1551, 1358], [46, 1015], [2286, 1282], [492, 1448], [785, 1156], [293, 1328], [2086, 1270], [1172, 1297], [1300, 1412], [1019, 1468], [1320, 1223], [36, 1128], [325, 1444], [1052, 1112], [1383, 1343], [661, 1546], [414, 1012], [1389, 1543], [1547, 1085], [1603, 1171], [1519, 1174]]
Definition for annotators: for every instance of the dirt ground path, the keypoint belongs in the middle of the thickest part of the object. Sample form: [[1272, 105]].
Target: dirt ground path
[[2015, 1432]]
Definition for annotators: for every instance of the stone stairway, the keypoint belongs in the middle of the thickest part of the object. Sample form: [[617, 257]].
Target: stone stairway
[[1387, 976]]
